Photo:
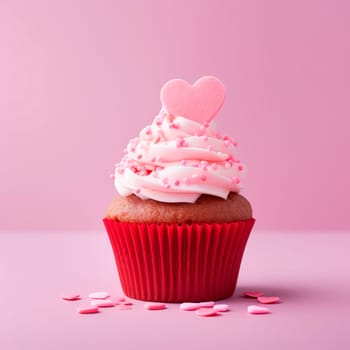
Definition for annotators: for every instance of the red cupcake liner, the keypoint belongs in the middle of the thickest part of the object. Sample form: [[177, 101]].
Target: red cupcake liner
[[176, 263]]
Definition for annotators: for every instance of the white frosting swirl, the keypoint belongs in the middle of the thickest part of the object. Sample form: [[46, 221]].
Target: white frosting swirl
[[177, 160]]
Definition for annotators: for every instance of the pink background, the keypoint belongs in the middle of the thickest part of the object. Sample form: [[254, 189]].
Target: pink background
[[79, 78]]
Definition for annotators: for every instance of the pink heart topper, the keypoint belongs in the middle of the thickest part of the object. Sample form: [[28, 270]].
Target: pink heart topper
[[199, 102]]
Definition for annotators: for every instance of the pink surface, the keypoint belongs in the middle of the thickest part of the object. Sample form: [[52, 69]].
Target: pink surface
[[308, 271], [80, 78]]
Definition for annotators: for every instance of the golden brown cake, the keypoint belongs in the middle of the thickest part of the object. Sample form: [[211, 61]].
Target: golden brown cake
[[207, 208]]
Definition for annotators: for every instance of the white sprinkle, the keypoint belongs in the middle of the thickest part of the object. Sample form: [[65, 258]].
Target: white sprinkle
[[99, 295]]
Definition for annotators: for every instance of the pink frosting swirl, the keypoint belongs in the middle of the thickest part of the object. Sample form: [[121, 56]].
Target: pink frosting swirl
[[177, 160]]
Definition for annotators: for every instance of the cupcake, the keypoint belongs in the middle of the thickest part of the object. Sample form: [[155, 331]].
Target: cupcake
[[179, 226]]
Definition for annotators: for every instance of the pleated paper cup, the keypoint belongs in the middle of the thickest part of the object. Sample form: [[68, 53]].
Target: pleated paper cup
[[177, 263]]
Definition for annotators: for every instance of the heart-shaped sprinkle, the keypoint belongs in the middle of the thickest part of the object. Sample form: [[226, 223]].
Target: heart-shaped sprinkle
[[155, 306], [221, 307], [206, 311], [253, 294], [258, 310], [99, 295], [71, 297], [88, 310], [189, 306], [102, 303], [269, 300], [199, 102]]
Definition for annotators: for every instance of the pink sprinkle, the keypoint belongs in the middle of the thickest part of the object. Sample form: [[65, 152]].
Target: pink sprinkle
[[218, 136], [99, 295], [88, 310], [235, 143], [137, 191], [258, 310], [189, 306], [155, 306], [228, 165], [235, 180], [126, 302], [132, 149], [71, 297], [227, 143], [181, 142], [268, 300], [240, 167], [206, 304], [102, 303], [221, 307], [167, 186], [165, 180], [255, 294], [203, 178], [206, 312], [148, 131], [111, 176], [177, 183], [206, 125], [173, 126], [187, 181], [139, 156]]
